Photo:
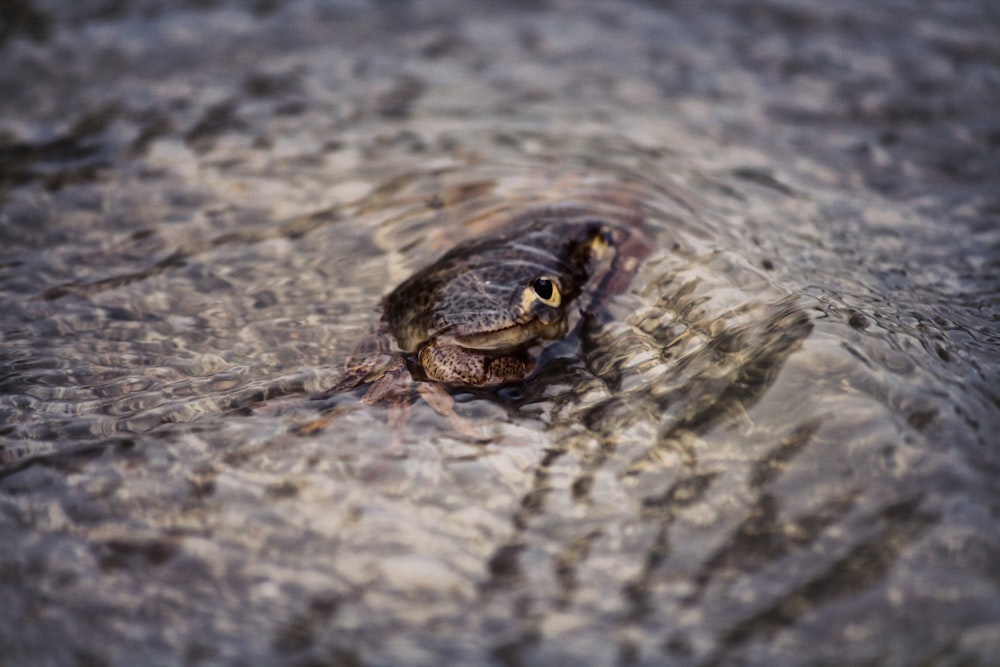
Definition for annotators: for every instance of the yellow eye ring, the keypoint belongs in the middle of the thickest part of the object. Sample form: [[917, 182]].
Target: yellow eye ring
[[547, 291]]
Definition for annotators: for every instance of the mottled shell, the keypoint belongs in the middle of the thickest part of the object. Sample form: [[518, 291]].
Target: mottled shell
[[478, 289]]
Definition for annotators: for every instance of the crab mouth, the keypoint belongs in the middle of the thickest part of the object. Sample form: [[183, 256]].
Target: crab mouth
[[514, 336]]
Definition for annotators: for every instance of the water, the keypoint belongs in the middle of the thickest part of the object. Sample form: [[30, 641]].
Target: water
[[775, 447]]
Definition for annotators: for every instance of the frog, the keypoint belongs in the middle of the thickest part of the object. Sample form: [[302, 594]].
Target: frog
[[480, 316]]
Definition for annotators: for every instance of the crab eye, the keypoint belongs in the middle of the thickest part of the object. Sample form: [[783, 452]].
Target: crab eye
[[543, 288], [546, 290]]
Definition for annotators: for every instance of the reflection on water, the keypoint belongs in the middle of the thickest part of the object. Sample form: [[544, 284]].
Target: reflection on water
[[774, 447]]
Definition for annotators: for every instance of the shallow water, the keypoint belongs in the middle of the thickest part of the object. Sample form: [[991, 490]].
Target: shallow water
[[777, 446]]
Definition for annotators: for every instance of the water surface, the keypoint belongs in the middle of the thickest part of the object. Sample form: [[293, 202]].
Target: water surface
[[777, 446]]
